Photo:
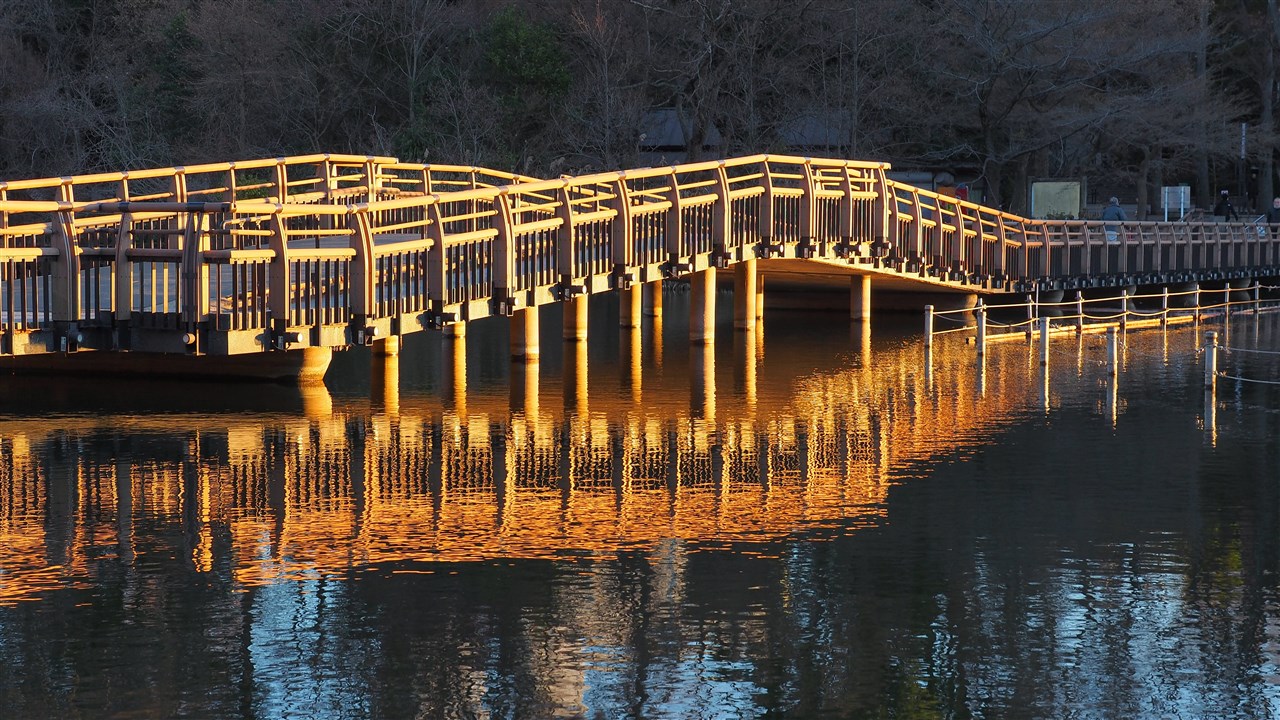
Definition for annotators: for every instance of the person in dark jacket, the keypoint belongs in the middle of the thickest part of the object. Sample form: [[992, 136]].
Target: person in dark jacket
[[1224, 208], [1113, 211], [1273, 214]]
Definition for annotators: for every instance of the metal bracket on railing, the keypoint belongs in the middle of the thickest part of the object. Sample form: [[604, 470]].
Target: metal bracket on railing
[[282, 340], [70, 341], [564, 291], [720, 260], [766, 249], [437, 320], [622, 279], [504, 305], [676, 269]]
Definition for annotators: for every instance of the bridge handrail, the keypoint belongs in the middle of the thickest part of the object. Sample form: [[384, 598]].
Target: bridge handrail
[[442, 241]]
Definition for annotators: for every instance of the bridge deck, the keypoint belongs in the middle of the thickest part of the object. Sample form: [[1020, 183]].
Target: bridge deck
[[328, 250]]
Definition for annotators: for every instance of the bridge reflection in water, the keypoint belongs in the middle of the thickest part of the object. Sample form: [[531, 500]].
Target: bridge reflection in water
[[529, 469], [499, 540]]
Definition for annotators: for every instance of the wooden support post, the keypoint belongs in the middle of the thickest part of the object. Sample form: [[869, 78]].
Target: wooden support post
[[1079, 312], [632, 362], [1211, 359], [576, 387], [702, 307], [860, 297], [745, 367], [575, 318], [981, 340], [524, 389], [1031, 317], [1044, 341], [387, 347], [928, 326], [759, 298], [744, 295], [1124, 309], [1113, 354], [1164, 306], [454, 372], [630, 303], [702, 365], [524, 335], [455, 331], [653, 298]]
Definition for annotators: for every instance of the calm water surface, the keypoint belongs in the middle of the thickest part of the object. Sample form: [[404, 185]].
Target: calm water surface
[[808, 521]]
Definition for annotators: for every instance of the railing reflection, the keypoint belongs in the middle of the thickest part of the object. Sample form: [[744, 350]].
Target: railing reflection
[[507, 475]]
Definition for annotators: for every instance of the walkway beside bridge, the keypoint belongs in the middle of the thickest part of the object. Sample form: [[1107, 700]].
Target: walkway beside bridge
[[246, 261]]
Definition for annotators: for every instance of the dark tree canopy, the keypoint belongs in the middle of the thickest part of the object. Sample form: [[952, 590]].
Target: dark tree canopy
[[1133, 94]]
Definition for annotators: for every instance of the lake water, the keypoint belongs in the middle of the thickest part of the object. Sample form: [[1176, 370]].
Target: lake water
[[806, 521]]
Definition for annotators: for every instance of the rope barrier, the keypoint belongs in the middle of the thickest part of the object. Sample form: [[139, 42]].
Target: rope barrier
[[1230, 350], [1248, 380]]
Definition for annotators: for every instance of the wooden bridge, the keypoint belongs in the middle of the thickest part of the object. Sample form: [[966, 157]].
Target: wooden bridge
[[229, 267]]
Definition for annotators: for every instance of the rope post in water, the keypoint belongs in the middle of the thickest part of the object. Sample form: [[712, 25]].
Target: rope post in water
[[1124, 309], [1164, 306], [928, 326], [1079, 312], [982, 329], [1044, 341], [1257, 297], [1210, 359], [1113, 357], [1031, 316], [1195, 303]]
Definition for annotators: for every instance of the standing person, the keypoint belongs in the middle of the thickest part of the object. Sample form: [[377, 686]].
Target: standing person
[[1113, 212], [1224, 209], [1273, 218]]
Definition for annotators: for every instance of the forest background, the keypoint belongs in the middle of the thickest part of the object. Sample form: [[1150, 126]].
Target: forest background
[[1134, 94]]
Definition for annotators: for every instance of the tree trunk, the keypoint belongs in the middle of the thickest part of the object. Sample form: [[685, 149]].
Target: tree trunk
[[1144, 175], [1266, 171]]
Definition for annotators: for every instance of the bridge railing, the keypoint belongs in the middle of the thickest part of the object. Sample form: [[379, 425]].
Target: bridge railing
[[327, 249]]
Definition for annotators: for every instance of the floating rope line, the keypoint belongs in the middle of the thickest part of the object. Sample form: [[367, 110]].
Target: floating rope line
[[1248, 351], [1248, 380]]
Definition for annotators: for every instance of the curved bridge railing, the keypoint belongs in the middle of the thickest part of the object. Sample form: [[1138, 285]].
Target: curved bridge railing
[[330, 250]]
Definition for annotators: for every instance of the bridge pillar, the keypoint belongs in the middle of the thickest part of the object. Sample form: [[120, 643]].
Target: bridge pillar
[[456, 330], [575, 318], [744, 295], [631, 303], [575, 379], [524, 389], [524, 335], [632, 361], [702, 363], [387, 347], [454, 373], [385, 383], [759, 297], [315, 363], [860, 297], [702, 306], [745, 366], [653, 298]]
